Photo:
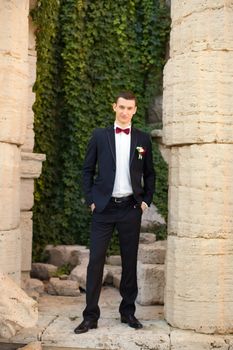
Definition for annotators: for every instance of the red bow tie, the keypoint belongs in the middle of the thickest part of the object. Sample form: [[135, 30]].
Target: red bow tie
[[126, 131]]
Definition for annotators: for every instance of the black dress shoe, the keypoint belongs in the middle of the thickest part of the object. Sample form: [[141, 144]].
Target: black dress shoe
[[84, 326], [132, 321]]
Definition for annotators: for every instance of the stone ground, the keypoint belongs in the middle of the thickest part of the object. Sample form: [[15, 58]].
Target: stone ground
[[58, 316]]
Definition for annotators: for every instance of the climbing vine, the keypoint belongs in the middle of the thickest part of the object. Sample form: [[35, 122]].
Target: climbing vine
[[87, 52]]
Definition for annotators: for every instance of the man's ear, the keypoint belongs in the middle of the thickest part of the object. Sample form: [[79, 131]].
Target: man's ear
[[135, 111], [114, 107]]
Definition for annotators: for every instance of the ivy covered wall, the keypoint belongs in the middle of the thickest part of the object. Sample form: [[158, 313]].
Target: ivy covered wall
[[87, 52]]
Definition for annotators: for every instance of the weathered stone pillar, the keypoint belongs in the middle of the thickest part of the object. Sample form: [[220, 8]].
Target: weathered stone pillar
[[30, 162], [13, 113], [198, 126]]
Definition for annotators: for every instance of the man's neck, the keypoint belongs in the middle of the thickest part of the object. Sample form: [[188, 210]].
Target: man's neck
[[122, 126]]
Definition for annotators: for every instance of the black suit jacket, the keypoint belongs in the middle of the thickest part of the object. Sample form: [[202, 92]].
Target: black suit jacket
[[99, 168]]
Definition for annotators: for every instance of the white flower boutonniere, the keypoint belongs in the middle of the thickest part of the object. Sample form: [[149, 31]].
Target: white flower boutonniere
[[141, 151]]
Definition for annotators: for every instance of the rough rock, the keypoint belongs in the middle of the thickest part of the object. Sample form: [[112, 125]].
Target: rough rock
[[33, 284], [63, 287], [64, 277], [147, 238], [43, 271], [151, 219], [79, 274], [113, 275], [17, 309], [66, 254]]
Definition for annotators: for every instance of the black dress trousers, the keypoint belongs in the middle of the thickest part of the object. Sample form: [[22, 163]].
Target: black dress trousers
[[126, 218]]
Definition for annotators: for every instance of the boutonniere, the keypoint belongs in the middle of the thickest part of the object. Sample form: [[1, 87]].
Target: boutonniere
[[141, 151]]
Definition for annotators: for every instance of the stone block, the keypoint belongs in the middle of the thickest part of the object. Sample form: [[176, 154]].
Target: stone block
[[13, 100], [184, 8], [114, 260], [10, 257], [113, 275], [26, 240], [32, 68], [9, 186], [32, 33], [201, 184], [17, 309], [202, 30], [31, 164], [198, 98], [151, 283], [43, 271], [14, 32], [66, 254], [153, 253], [79, 274], [26, 194], [116, 280], [33, 284], [199, 284], [29, 140], [37, 345], [188, 340], [147, 238], [63, 287]]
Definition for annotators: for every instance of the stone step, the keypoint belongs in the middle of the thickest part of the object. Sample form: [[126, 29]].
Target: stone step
[[110, 335], [59, 316], [153, 253]]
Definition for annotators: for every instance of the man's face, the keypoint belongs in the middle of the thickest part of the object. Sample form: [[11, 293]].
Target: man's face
[[124, 111]]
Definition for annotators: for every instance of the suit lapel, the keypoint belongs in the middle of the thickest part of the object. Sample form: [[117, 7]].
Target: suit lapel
[[111, 139], [133, 144]]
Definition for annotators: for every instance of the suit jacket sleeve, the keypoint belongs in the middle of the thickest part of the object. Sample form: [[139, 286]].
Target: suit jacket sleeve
[[89, 168], [148, 174]]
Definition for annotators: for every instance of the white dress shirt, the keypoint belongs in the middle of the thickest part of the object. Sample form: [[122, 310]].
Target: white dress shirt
[[122, 185]]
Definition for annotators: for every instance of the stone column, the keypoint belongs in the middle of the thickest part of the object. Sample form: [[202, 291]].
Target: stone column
[[30, 162], [13, 112], [198, 127]]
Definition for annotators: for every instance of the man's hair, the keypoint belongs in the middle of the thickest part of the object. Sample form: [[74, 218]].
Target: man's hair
[[128, 95]]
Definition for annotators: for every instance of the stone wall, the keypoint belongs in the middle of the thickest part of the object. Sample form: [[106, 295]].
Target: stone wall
[[198, 127]]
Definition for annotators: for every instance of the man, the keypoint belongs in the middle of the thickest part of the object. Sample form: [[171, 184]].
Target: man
[[118, 178]]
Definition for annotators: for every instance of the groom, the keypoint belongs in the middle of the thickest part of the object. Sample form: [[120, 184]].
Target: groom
[[118, 179]]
